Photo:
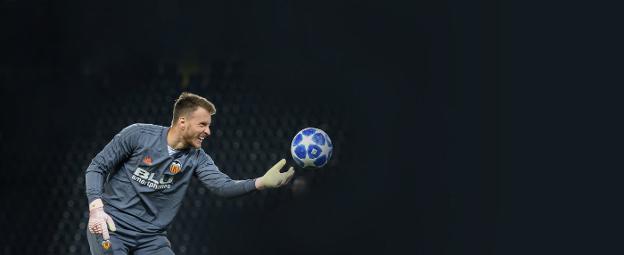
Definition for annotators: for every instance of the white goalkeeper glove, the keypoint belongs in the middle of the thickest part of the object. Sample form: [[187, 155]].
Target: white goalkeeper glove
[[273, 178], [99, 221]]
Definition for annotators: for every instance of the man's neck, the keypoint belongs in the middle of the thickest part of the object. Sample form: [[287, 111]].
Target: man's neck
[[174, 139]]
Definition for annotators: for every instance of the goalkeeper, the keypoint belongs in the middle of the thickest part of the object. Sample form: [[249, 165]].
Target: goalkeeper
[[136, 184]]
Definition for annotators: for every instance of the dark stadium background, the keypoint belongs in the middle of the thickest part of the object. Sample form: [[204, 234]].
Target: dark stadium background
[[451, 121]]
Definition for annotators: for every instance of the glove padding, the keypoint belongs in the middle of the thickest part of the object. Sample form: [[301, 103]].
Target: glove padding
[[99, 221], [273, 178]]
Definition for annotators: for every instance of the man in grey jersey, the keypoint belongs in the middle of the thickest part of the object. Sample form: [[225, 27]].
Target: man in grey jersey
[[136, 184]]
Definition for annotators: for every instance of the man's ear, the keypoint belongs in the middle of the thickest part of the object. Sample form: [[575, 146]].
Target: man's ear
[[182, 122]]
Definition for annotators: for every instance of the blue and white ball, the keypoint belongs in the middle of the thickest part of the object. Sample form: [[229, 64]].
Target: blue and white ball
[[311, 147]]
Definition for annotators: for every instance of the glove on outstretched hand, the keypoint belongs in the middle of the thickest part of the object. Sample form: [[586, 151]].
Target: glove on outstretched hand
[[273, 178]]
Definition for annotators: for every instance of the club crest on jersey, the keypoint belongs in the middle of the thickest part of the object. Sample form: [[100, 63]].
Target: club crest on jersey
[[175, 167], [106, 244]]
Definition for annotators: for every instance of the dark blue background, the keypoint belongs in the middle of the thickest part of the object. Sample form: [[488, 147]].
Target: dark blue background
[[479, 127]]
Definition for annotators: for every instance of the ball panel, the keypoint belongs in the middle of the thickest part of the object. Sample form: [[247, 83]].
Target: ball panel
[[300, 151], [319, 162], [314, 151], [319, 139], [308, 131], [297, 140]]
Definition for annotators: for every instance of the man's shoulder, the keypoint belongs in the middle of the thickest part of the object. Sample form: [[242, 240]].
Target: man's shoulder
[[145, 128], [200, 155]]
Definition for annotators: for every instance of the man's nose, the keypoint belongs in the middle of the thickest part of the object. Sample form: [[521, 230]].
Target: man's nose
[[207, 130]]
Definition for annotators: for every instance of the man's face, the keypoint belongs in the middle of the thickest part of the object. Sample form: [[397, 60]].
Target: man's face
[[196, 127]]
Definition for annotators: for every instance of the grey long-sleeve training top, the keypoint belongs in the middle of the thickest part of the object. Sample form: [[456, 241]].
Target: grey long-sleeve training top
[[142, 186]]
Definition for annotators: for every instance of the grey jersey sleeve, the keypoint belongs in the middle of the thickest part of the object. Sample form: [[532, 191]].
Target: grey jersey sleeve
[[219, 183], [118, 149]]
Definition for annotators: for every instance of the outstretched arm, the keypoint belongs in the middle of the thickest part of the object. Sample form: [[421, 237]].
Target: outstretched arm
[[221, 184]]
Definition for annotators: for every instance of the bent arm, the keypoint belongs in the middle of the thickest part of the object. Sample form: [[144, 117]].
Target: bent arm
[[118, 149]]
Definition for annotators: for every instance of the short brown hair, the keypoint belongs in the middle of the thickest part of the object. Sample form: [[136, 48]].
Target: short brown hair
[[187, 103]]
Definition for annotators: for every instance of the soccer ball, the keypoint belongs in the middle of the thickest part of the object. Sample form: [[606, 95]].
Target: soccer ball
[[311, 147]]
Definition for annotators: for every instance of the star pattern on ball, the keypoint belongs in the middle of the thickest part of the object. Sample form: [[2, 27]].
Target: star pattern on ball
[[311, 147]]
